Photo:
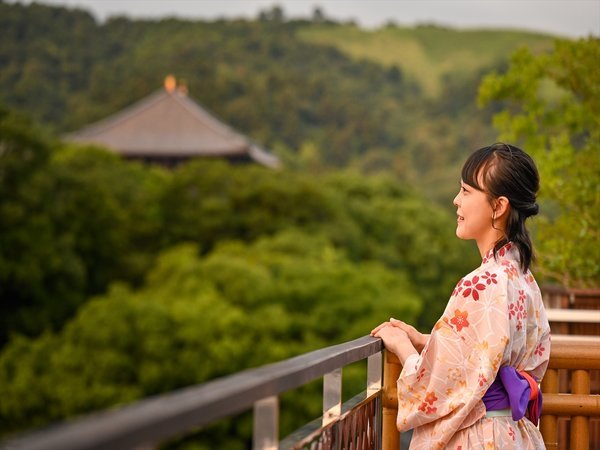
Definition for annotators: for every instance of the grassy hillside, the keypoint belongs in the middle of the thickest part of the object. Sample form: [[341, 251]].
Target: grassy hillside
[[426, 54]]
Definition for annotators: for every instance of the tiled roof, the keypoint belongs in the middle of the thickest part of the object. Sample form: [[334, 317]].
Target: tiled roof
[[170, 124]]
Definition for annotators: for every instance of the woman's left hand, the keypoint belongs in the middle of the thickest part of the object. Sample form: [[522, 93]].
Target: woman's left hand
[[395, 340]]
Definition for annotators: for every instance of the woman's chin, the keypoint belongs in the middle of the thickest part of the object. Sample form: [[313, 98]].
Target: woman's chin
[[460, 233]]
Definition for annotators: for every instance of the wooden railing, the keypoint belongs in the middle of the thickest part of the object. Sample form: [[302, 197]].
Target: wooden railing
[[151, 421], [572, 311], [575, 312], [578, 356], [368, 421]]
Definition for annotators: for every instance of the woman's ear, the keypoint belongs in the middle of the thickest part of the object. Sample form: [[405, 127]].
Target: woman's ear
[[501, 207]]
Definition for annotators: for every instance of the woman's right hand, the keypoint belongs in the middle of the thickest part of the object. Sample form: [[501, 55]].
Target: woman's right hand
[[417, 338]]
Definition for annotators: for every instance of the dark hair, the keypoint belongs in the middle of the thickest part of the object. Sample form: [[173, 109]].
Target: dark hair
[[505, 170]]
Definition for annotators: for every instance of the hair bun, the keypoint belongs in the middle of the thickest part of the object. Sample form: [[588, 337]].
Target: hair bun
[[532, 209]]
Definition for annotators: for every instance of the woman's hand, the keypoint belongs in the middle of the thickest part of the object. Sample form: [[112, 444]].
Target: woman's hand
[[418, 339], [395, 340]]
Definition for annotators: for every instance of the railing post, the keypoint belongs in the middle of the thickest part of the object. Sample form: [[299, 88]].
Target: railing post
[[332, 396], [580, 430], [374, 385], [374, 368], [548, 423], [266, 424], [390, 436]]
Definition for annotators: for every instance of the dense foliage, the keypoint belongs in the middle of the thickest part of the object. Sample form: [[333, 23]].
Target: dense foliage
[[317, 93], [553, 108], [70, 222], [76, 219], [171, 278], [198, 318]]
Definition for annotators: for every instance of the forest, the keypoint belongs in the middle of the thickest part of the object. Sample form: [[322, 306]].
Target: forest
[[120, 280]]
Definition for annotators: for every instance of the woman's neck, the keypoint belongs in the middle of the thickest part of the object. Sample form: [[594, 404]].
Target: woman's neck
[[487, 243]]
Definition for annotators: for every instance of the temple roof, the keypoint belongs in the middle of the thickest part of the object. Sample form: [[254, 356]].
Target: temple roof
[[168, 124]]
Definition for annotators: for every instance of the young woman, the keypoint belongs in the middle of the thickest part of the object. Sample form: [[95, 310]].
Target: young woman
[[473, 383]]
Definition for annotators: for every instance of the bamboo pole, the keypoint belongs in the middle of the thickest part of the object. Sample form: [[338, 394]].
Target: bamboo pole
[[580, 425], [548, 423], [391, 371], [572, 404], [574, 353]]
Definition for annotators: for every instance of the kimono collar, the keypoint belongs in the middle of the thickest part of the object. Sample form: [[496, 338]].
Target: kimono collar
[[507, 251]]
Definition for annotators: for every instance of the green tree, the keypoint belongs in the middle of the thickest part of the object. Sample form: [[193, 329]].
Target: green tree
[[393, 224], [37, 266], [367, 218], [198, 318], [72, 220], [551, 104]]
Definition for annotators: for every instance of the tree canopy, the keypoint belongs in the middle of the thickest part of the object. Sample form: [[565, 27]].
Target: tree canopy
[[400, 100], [552, 105], [140, 266]]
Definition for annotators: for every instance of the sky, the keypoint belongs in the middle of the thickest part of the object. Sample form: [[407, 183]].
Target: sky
[[569, 18]]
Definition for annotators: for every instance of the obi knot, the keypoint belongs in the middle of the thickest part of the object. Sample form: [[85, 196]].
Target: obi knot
[[515, 390]]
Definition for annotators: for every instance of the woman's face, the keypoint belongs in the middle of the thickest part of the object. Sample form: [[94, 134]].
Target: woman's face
[[474, 212]]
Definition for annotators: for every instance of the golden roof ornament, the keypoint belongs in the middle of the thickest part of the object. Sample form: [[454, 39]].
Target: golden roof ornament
[[170, 84]]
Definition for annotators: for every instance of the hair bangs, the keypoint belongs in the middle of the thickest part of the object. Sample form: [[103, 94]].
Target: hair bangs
[[474, 166]]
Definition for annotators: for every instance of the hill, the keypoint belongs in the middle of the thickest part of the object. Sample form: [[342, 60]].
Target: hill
[[428, 54], [318, 94]]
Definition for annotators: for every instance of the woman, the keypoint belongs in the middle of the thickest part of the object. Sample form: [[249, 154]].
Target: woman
[[473, 383]]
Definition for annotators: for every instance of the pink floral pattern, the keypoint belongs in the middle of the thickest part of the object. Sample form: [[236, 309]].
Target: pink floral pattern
[[490, 278], [511, 433], [504, 250], [458, 287], [482, 380], [539, 349], [460, 320], [510, 269], [495, 317], [517, 310], [427, 405], [472, 287]]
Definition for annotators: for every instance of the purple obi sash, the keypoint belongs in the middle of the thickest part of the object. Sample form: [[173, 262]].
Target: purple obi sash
[[517, 391]]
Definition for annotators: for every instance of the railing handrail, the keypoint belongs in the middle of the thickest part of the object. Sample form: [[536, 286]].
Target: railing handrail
[[574, 352], [578, 292], [168, 415], [573, 315]]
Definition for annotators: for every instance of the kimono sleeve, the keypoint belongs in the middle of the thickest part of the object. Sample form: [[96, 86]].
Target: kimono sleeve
[[459, 362]]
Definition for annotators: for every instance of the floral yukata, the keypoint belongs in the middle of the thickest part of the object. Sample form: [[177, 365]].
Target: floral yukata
[[495, 317]]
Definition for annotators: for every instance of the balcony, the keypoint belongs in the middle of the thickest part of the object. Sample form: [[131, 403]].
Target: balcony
[[367, 421]]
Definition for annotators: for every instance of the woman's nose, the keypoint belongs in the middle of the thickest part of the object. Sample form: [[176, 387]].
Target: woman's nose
[[455, 201]]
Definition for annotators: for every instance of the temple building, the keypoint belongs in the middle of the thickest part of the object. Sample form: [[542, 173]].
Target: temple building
[[169, 128]]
